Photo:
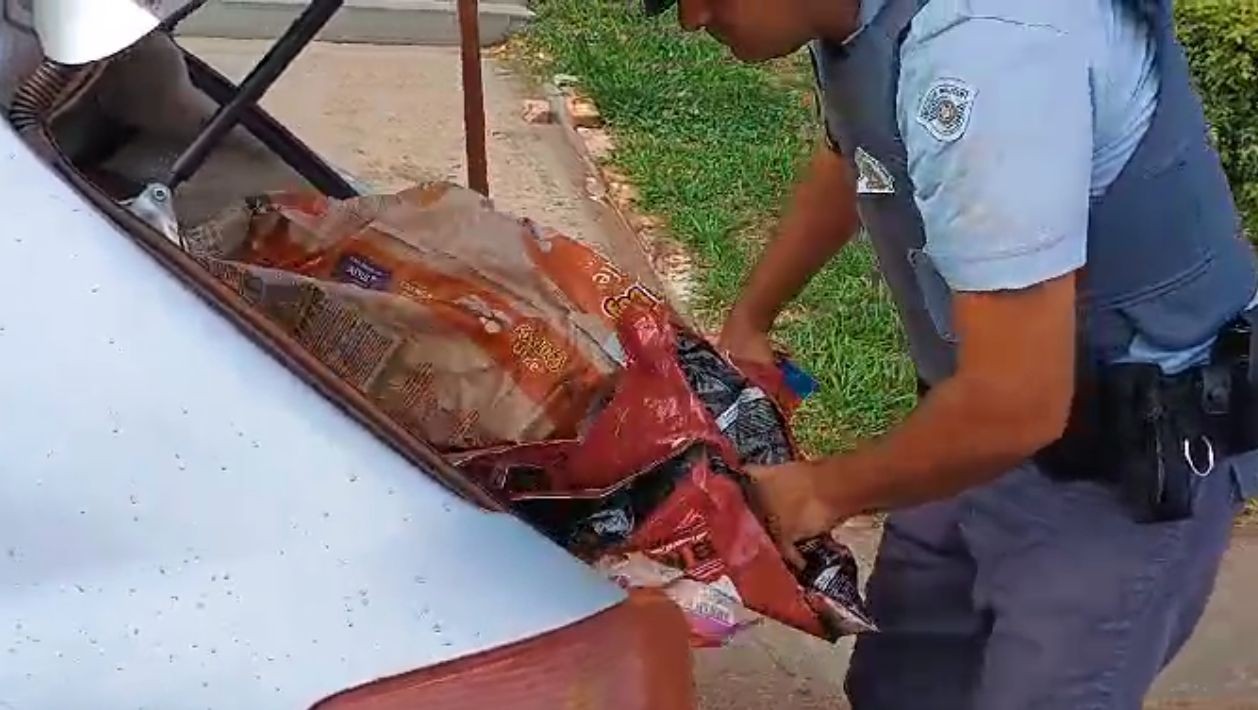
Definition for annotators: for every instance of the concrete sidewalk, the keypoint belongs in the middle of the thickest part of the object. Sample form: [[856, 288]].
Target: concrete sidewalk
[[393, 117], [425, 22]]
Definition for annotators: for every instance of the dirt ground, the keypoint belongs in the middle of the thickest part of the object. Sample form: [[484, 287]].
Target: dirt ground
[[392, 116]]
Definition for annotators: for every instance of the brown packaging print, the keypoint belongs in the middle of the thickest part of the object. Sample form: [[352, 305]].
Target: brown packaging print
[[466, 325]]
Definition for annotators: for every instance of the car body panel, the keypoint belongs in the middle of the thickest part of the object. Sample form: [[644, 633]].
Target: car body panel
[[185, 523], [81, 31]]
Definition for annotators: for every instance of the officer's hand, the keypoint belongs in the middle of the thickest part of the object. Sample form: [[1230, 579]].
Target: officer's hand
[[742, 341], [789, 503]]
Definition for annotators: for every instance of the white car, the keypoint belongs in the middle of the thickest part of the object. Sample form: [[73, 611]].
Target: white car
[[193, 513]]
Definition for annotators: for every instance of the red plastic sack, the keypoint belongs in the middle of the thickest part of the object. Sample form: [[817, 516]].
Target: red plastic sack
[[703, 526], [705, 529]]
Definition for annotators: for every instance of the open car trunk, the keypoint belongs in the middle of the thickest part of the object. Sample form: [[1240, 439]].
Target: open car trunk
[[573, 396]]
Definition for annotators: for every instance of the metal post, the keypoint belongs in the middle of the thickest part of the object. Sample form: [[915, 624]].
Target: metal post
[[473, 97], [281, 54]]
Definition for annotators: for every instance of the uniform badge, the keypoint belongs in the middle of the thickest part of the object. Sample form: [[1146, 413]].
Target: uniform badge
[[945, 109], [872, 178]]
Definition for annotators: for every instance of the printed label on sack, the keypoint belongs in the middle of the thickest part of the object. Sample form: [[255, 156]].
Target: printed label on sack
[[614, 306], [727, 418], [356, 270], [712, 604], [725, 586], [692, 552]]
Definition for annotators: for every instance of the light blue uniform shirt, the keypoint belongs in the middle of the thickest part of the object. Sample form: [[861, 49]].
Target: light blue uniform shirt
[[1060, 95]]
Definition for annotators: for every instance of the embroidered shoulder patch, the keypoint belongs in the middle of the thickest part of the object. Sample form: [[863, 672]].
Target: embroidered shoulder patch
[[872, 177], [945, 109]]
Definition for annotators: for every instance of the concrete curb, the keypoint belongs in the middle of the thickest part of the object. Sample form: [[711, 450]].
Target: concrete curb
[[427, 22], [599, 189]]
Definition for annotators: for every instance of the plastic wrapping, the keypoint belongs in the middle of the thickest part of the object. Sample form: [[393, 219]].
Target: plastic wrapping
[[658, 473], [470, 327], [713, 610]]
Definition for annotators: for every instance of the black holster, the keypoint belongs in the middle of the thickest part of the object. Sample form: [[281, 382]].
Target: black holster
[[1156, 437]]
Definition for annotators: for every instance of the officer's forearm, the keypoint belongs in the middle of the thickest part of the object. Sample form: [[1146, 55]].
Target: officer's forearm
[[1010, 397], [955, 440], [821, 218]]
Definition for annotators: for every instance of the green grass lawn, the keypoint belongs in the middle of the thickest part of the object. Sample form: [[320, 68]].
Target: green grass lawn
[[714, 146]]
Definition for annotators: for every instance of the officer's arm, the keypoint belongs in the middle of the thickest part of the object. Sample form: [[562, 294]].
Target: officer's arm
[[1010, 396], [820, 219], [996, 116]]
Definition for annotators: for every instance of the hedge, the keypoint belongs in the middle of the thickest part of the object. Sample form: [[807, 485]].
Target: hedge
[[1221, 37]]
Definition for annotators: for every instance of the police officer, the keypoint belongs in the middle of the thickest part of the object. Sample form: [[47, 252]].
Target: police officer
[[1066, 260]]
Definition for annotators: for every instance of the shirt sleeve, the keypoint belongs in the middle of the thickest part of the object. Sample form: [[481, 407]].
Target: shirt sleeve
[[996, 117]]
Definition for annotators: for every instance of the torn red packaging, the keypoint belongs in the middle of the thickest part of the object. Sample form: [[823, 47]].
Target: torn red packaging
[[705, 529], [652, 416], [687, 514], [649, 476]]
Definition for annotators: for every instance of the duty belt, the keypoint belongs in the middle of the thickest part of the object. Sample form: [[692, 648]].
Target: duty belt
[[1156, 436]]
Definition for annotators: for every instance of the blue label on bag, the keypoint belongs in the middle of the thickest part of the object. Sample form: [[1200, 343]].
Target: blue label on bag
[[800, 382]]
